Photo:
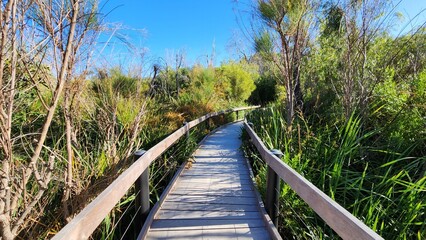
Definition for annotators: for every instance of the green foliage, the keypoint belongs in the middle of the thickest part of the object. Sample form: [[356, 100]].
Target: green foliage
[[119, 95], [333, 20], [202, 86], [122, 85], [400, 106], [420, 86], [273, 10], [103, 163], [168, 79], [215, 88], [322, 80], [268, 11], [263, 44], [282, 14], [393, 95], [265, 92], [238, 83]]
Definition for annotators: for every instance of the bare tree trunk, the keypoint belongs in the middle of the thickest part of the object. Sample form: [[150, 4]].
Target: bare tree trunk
[[5, 228], [298, 46], [297, 87], [7, 94], [290, 103], [59, 87], [69, 173], [348, 86], [286, 72], [362, 83]]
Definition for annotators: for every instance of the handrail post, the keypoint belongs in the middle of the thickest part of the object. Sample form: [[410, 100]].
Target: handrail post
[[273, 191], [185, 124], [237, 115], [142, 192], [206, 124]]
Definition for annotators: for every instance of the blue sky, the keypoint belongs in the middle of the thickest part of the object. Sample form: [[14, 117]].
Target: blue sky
[[161, 28], [164, 27]]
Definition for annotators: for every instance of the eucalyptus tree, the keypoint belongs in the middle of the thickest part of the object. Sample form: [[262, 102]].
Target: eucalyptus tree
[[285, 42]]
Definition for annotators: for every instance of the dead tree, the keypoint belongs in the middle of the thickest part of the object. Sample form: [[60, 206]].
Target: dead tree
[[59, 35]]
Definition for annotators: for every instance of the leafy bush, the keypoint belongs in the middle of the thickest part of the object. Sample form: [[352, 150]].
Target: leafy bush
[[265, 92], [237, 83]]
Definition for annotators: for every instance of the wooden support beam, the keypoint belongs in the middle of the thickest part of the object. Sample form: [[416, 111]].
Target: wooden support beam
[[142, 192]]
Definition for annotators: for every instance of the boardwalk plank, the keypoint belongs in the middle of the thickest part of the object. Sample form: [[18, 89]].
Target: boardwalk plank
[[189, 214], [215, 175], [219, 187], [240, 233], [211, 199], [207, 207], [194, 224], [213, 181], [224, 192]]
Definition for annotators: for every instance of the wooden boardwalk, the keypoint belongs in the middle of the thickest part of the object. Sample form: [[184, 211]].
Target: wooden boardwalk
[[214, 198]]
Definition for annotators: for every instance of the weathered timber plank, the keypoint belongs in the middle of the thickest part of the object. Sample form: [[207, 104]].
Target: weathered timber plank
[[216, 175], [207, 192], [213, 181], [225, 179], [239, 233], [219, 165], [211, 199], [223, 161], [251, 233], [218, 187], [191, 224], [229, 172], [207, 207], [176, 235], [189, 214]]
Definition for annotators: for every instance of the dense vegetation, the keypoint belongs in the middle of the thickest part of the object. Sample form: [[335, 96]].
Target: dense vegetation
[[346, 105], [356, 126]]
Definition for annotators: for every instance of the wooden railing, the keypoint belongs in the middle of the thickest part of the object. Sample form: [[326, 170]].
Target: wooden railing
[[338, 218], [83, 225]]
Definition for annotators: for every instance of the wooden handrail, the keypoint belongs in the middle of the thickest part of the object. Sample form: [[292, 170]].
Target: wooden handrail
[[83, 225], [337, 217]]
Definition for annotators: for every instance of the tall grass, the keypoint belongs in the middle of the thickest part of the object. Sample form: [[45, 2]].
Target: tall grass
[[384, 187]]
